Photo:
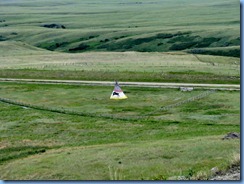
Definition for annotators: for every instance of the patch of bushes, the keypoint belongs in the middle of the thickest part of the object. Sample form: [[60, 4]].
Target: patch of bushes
[[139, 41], [48, 46], [182, 46], [105, 40], [2, 38], [56, 26], [61, 44], [175, 42], [81, 47], [190, 173], [205, 42], [183, 42], [116, 38], [92, 36], [182, 38], [164, 35], [233, 52], [53, 46], [235, 41], [163, 42]]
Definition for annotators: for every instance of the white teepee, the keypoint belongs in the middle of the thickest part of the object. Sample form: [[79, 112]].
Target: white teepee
[[117, 93]]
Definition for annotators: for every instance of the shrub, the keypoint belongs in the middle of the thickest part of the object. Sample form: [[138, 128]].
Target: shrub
[[182, 46], [81, 47], [164, 35]]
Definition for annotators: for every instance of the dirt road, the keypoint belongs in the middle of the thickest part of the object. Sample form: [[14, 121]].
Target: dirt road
[[138, 84]]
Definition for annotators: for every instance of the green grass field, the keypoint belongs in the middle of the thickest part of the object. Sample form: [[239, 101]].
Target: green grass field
[[150, 143], [75, 132]]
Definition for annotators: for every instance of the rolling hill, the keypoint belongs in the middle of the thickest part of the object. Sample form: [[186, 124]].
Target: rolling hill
[[145, 26]]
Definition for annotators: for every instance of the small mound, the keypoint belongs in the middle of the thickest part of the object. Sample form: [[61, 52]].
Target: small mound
[[232, 135], [10, 48]]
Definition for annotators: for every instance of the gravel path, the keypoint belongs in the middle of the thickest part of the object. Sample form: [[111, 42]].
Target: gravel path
[[139, 84]]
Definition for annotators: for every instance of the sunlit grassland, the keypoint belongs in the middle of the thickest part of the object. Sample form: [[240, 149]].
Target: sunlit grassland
[[186, 41], [183, 140]]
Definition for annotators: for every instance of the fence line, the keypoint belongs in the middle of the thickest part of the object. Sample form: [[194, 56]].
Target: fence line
[[202, 95], [144, 69], [69, 112], [141, 65], [168, 107], [118, 117]]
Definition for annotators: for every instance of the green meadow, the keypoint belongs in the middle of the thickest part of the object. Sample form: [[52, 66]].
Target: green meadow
[[75, 132], [149, 143]]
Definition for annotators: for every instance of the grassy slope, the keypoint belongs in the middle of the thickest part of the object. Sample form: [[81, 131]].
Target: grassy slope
[[199, 28], [127, 161], [125, 25], [71, 147], [19, 60]]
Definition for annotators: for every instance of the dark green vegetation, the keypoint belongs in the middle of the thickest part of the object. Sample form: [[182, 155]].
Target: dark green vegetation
[[39, 144], [206, 27]]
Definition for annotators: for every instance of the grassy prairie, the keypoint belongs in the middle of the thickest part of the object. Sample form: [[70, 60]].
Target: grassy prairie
[[125, 25], [76, 132], [157, 160], [171, 48], [184, 140], [25, 61]]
